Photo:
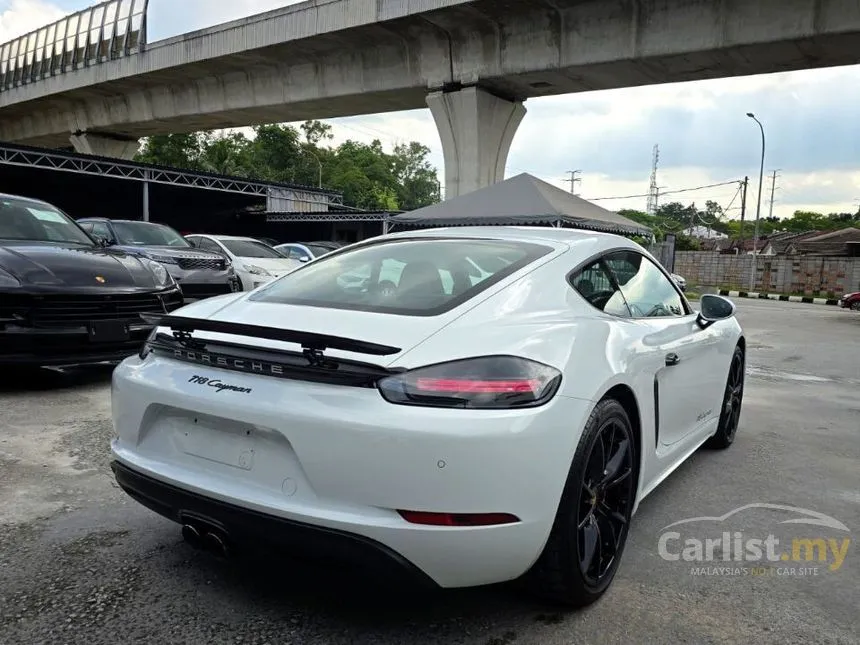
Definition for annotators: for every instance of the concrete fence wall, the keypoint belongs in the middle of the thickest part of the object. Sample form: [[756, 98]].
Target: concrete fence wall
[[808, 275]]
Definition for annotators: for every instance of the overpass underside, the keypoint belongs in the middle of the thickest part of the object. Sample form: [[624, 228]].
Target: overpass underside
[[473, 63]]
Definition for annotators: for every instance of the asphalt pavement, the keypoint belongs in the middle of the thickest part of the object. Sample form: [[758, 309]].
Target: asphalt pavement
[[81, 563]]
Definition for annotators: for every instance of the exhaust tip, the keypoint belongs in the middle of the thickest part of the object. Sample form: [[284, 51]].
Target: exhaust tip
[[192, 536], [217, 544]]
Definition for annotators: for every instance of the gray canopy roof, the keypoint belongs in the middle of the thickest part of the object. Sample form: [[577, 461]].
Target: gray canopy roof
[[521, 200]]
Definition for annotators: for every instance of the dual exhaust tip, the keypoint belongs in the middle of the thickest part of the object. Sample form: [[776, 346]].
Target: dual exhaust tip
[[207, 538]]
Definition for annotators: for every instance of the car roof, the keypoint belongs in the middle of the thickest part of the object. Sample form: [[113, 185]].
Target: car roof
[[557, 236], [223, 237], [110, 219], [24, 197]]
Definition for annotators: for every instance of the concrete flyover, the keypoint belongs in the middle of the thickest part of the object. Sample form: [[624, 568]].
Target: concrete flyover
[[472, 62]]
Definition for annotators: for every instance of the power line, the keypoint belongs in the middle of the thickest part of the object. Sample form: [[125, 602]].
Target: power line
[[664, 193]]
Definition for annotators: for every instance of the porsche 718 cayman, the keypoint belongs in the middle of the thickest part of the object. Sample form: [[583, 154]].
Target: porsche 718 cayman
[[470, 405]]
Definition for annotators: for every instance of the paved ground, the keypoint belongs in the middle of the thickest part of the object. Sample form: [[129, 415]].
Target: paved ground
[[79, 563]]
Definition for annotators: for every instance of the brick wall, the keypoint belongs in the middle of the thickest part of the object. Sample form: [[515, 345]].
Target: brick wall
[[809, 275]]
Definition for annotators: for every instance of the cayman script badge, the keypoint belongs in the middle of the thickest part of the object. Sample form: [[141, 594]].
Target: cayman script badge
[[220, 386]]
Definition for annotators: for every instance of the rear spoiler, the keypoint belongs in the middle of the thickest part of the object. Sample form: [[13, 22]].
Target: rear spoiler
[[308, 340]]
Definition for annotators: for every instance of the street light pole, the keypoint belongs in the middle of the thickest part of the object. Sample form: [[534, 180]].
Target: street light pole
[[758, 207]]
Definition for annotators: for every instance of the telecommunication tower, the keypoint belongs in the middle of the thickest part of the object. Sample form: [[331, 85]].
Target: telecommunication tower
[[654, 191]]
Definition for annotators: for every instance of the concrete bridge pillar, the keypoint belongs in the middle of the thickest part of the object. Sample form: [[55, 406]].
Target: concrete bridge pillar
[[476, 129], [105, 145]]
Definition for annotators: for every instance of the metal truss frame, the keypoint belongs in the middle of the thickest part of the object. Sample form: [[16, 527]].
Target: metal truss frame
[[100, 166], [328, 217]]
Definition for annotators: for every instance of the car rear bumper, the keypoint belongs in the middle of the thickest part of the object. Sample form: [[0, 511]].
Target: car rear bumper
[[342, 459], [246, 526]]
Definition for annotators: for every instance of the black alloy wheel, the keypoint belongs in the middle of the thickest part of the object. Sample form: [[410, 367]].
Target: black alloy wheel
[[590, 530], [605, 501], [730, 414]]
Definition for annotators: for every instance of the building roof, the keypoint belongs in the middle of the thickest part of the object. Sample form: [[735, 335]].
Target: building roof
[[830, 243], [521, 200]]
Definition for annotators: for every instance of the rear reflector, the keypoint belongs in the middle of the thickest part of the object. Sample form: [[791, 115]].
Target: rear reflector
[[458, 519]]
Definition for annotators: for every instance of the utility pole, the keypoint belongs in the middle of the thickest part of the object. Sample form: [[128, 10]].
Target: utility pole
[[773, 190], [573, 180], [746, 184]]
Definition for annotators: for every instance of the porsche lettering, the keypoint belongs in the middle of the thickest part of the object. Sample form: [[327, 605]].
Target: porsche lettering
[[229, 362]]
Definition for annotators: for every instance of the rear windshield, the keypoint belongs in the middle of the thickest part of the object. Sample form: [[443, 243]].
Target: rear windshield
[[423, 277], [250, 249]]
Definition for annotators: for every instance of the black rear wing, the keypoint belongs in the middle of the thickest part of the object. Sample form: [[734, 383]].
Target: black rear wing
[[308, 340]]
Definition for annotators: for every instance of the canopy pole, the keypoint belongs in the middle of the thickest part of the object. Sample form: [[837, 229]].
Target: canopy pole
[[146, 196]]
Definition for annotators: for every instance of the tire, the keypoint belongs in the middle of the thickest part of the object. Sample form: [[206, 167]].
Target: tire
[[730, 412], [558, 576], [855, 306]]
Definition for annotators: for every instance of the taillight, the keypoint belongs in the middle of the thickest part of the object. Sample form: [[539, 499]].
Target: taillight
[[488, 382]]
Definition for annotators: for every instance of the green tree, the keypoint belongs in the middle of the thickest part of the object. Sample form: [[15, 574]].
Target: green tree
[[369, 177], [417, 182], [226, 154], [316, 132], [174, 150]]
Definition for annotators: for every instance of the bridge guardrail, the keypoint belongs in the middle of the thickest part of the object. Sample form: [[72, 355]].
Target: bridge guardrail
[[103, 32]]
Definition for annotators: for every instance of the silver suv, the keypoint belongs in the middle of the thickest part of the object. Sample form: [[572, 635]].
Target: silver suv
[[200, 274]]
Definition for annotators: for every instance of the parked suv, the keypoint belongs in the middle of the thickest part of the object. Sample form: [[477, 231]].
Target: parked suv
[[200, 274]]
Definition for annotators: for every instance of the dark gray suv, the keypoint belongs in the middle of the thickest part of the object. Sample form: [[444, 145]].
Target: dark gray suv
[[200, 274]]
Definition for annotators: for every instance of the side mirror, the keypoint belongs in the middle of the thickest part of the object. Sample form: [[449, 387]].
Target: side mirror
[[304, 258], [102, 241], [192, 243], [714, 308]]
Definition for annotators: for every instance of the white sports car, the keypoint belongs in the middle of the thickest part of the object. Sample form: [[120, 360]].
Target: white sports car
[[498, 415]]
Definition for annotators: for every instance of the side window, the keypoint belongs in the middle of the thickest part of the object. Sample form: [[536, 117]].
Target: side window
[[100, 229], [648, 292], [595, 285], [207, 245], [87, 226], [297, 254]]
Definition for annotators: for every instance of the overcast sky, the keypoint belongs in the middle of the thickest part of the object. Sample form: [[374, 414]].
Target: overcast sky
[[704, 136]]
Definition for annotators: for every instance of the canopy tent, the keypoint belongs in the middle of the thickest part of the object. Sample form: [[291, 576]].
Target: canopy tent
[[520, 200]]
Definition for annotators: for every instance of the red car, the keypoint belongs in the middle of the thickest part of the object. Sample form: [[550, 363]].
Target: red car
[[850, 301]]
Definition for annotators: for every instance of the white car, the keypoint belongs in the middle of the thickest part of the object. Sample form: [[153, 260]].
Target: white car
[[485, 431], [255, 262]]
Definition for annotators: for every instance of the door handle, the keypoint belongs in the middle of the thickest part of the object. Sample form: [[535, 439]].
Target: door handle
[[672, 359]]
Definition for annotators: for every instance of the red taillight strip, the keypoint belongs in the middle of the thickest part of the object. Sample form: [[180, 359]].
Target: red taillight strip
[[468, 386], [458, 519]]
